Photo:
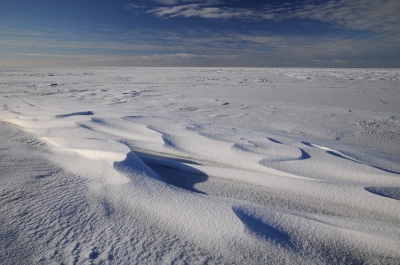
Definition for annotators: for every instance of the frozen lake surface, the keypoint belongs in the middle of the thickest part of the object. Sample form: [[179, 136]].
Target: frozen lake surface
[[199, 166]]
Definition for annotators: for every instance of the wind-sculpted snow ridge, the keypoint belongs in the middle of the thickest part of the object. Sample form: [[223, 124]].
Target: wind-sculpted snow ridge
[[173, 175]]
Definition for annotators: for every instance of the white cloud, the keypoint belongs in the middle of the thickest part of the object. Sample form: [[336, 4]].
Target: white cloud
[[181, 56], [46, 55], [172, 11], [207, 45], [371, 15], [380, 16], [204, 10], [133, 6], [175, 2]]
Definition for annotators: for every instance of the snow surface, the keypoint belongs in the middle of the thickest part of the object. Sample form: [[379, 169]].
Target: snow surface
[[199, 166]]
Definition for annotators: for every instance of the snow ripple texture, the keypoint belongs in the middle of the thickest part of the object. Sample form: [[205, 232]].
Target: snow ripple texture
[[199, 166]]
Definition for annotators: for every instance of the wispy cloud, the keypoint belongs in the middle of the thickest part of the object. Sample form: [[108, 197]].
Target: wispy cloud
[[131, 6], [370, 15], [177, 57], [46, 55], [207, 10], [204, 45], [379, 16], [378, 19], [176, 2]]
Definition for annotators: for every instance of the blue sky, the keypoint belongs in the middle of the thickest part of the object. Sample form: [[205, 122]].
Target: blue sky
[[311, 33]]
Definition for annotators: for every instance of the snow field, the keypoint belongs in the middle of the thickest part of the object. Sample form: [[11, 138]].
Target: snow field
[[200, 166]]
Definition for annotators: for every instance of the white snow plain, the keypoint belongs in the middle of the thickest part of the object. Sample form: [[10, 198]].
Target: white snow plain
[[199, 166]]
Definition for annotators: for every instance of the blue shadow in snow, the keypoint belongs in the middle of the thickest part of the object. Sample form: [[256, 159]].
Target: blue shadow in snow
[[74, 114], [353, 160], [274, 141], [175, 171], [389, 192], [304, 155], [380, 168], [263, 230]]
